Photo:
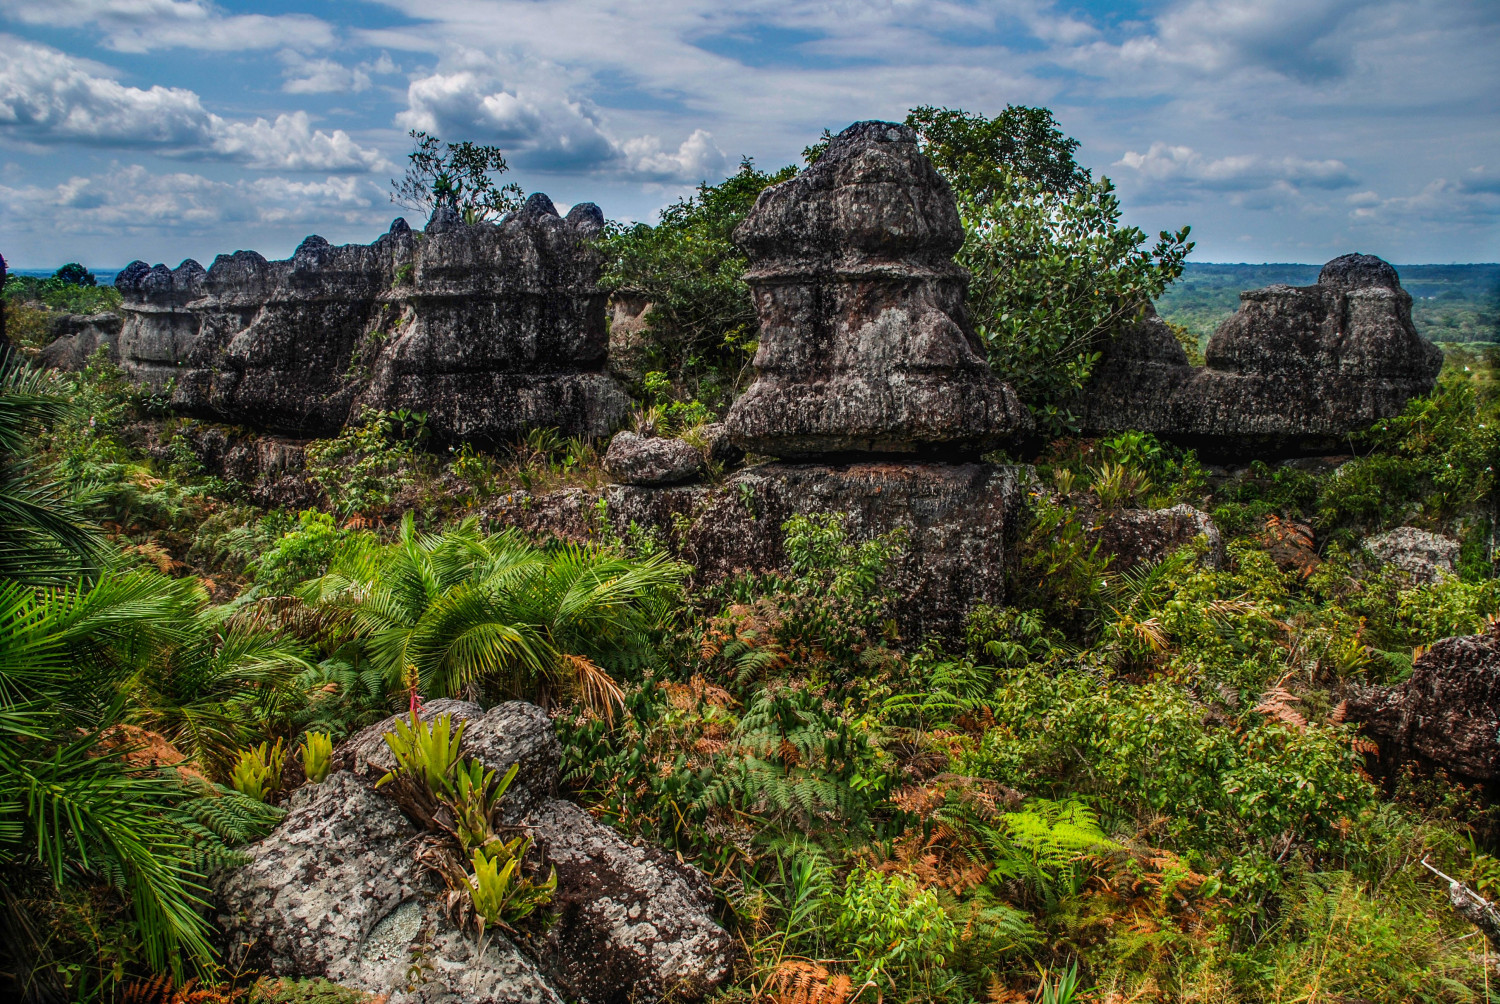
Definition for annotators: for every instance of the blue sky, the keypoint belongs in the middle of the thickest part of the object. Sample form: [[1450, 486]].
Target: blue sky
[[1281, 130]]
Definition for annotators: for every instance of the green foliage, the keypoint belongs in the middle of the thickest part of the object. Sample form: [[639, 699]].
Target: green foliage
[[979, 155], [426, 754], [1054, 275], [257, 774], [462, 175], [502, 894], [1041, 845], [900, 935], [317, 755], [311, 991], [71, 289], [300, 554], [364, 467], [701, 325]]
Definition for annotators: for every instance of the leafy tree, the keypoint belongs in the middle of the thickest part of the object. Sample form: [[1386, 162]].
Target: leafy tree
[[74, 274], [701, 318], [979, 156], [462, 175]]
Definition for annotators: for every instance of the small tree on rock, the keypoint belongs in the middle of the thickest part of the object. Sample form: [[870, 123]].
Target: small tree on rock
[[462, 175]]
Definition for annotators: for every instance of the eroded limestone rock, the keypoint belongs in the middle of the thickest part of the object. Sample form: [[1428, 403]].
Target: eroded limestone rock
[[1146, 536], [1421, 554], [1447, 712], [865, 346], [654, 460], [1295, 370]]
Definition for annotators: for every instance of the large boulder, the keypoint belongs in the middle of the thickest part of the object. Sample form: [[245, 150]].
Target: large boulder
[[76, 337], [336, 892], [865, 346], [513, 733], [1446, 713], [635, 924], [1146, 536], [1295, 370], [490, 329], [1423, 555], [654, 460]]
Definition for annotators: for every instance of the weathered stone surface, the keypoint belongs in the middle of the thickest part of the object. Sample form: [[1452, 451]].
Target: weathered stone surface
[[271, 469], [76, 337], [335, 892], [1447, 712], [634, 923], [1295, 370], [511, 733], [1421, 554], [865, 346], [962, 521], [657, 460], [718, 445], [628, 341], [1145, 536], [490, 329]]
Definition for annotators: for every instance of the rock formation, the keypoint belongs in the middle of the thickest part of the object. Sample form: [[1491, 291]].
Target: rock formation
[[76, 337], [655, 460], [1146, 536], [865, 347], [1421, 554], [336, 890], [490, 329], [1296, 369], [1447, 712]]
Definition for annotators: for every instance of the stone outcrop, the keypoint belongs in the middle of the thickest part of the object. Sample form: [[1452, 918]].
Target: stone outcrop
[[1146, 536], [1421, 554], [865, 346], [488, 328], [76, 337], [1446, 713], [962, 521], [1295, 370], [335, 890], [654, 460]]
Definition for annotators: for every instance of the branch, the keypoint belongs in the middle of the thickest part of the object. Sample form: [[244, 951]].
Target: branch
[[1471, 906]]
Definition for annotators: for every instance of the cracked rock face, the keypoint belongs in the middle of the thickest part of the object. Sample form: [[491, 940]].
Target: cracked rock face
[[1447, 712], [657, 460], [490, 329], [335, 892], [1295, 370], [865, 346]]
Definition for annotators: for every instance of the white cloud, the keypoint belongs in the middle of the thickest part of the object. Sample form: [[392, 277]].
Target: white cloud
[[1181, 166], [542, 128], [302, 75], [47, 96], [147, 25]]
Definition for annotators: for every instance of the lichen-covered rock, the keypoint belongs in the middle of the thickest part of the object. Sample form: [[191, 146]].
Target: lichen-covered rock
[[1447, 712], [718, 445], [511, 733], [76, 337], [865, 346], [490, 329], [1296, 369], [634, 923], [334, 891], [1421, 554], [962, 521], [629, 339], [655, 460], [1145, 536]]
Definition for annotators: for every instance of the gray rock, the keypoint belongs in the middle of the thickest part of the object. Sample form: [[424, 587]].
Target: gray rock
[[865, 346], [1146, 536], [1421, 554], [334, 892], [1295, 370], [629, 343], [490, 329], [511, 733], [962, 519], [635, 924], [76, 337], [1446, 713], [718, 445], [639, 460]]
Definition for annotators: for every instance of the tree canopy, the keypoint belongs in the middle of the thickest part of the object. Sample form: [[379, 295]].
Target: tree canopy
[[463, 175]]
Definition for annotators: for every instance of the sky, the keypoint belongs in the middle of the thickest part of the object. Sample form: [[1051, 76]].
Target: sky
[[1280, 130]]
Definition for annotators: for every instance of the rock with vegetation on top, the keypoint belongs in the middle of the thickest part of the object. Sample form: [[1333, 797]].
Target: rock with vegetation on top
[[1446, 713], [336, 892], [865, 346], [654, 460], [1295, 370], [76, 337], [490, 329], [1146, 536], [1421, 554]]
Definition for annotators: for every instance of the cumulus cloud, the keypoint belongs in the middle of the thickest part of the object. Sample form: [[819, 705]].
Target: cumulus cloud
[[543, 128], [147, 25], [1167, 167], [131, 197], [301, 75], [47, 96]]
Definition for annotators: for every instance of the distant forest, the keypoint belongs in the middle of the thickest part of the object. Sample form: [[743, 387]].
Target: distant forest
[[1451, 303]]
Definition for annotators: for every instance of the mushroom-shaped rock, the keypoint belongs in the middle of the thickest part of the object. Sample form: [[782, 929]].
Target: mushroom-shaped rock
[[656, 460], [865, 347]]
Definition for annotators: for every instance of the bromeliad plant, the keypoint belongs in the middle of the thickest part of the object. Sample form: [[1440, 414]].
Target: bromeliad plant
[[257, 775], [317, 756]]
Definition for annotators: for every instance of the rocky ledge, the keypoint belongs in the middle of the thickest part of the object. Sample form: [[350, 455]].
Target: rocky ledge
[[1295, 370], [337, 891]]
